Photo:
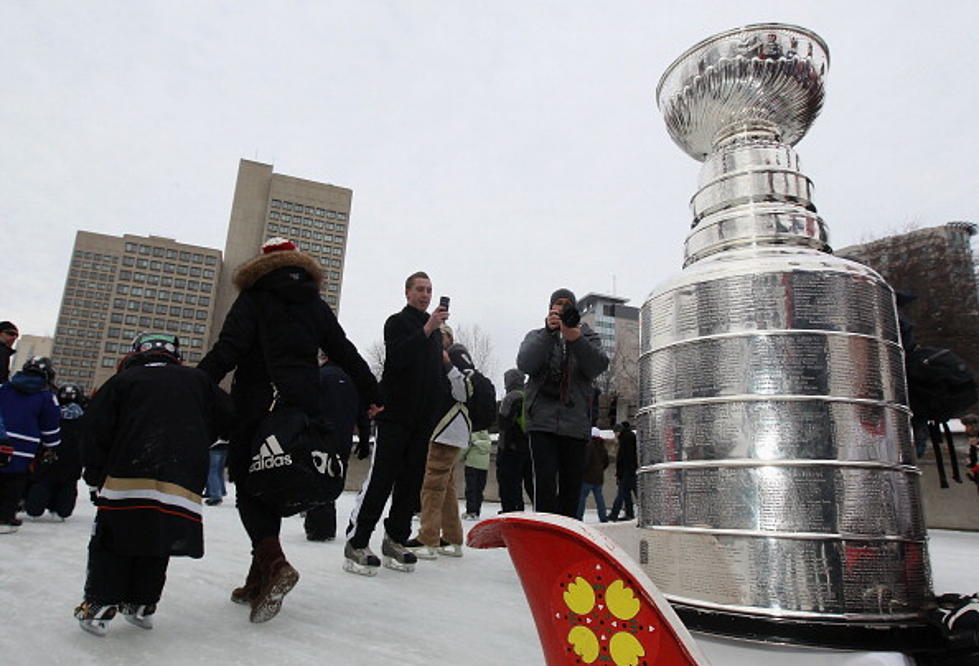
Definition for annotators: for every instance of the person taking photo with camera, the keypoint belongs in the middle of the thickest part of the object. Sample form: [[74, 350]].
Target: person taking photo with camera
[[562, 360]]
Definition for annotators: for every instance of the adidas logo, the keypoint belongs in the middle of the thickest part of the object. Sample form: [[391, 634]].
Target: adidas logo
[[269, 455]]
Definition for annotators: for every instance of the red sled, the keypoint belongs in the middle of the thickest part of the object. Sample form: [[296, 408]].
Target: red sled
[[591, 602]]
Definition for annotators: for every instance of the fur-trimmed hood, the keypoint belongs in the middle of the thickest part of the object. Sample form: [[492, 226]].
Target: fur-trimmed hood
[[253, 270]]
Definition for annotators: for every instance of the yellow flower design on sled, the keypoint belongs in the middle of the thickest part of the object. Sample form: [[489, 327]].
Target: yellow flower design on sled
[[604, 622]]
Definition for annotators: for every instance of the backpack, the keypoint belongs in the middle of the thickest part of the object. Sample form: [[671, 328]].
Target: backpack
[[521, 418], [940, 384], [482, 402]]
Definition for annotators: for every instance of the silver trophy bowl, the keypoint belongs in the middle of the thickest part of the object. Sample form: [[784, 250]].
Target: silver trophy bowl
[[778, 494]]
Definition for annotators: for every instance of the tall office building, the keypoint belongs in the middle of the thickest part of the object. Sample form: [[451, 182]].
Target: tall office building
[[617, 325], [119, 286], [312, 215]]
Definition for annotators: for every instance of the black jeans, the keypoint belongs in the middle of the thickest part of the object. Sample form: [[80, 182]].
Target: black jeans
[[115, 579], [397, 470], [475, 485], [514, 474], [627, 488], [558, 466]]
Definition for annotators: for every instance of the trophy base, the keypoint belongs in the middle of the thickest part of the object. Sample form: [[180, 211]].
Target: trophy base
[[907, 636]]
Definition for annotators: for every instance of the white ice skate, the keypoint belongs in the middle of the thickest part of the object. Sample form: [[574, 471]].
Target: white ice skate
[[450, 549], [140, 615], [93, 618], [360, 560], [396, 556], [421, 551]]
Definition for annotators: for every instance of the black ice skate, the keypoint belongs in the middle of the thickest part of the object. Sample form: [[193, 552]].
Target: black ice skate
[[360, 560], [396, 556], [94, 618], [139, 614]]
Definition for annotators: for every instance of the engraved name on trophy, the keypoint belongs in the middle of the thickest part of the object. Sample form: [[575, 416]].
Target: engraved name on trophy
[[779, 498]]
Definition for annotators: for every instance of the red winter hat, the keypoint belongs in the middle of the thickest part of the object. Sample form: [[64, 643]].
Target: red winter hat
[[277, 244]]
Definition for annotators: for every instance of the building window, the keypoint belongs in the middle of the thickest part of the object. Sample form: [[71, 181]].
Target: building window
[[185, 327], [131, 320], [166, 282], [130, 247], [168, 268], [210, 260], [208, 273], [181, 269], [132, 305], [135, 291], [276, 203], [158, 324], [173, 326], [197, 258], [142, 263], [164, 295], [128, 261], [144, 249], [199, 328], [188, 312], [195, 271], [116, 318], [185, 256], [108, 362], [179, 283], [122, 288], [145, 322], [204, 300], [156, 265], [206, 286], [153, 279], [148, 307], [202, 314], [111, 346], [174, 311], [177, 297], [157, 251], [150, 292], [190, 299]]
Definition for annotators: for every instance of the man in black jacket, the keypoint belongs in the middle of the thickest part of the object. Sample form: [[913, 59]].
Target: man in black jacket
[[626, 464], [272, 336], [411, 385]]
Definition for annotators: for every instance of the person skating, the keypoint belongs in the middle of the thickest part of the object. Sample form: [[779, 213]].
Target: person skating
[[278, 324], [146, 437], [412, 384], [626, 465], [31, 421], [441, 529], [54, 486]]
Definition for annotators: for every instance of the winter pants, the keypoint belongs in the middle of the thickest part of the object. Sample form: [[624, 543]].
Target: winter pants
[[115, 579], [595, 489], [627, 488], [397, 469], [475, 485], [215, 489], [258, 518], [558, 466], [321, 523], [11, 490], [58, 496], [440, 506], [514, 474]]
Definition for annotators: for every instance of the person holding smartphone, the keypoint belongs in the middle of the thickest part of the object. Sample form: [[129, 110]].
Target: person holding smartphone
[[413, 385]]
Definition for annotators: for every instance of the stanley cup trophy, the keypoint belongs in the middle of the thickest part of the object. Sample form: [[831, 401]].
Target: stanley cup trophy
[[779, 498]]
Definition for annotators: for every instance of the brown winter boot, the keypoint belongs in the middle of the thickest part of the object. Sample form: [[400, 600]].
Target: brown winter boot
[[247, 592], [277, 577]]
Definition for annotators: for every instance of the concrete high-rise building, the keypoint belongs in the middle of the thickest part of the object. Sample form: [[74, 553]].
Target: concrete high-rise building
[[937, 266], [312, 215], [32, 345], [120, 286], [617, 324]]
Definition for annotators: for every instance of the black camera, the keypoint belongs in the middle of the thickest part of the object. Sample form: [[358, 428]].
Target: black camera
[[570, 316]]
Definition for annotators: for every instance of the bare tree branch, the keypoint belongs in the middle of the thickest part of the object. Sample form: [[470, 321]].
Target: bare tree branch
[[480, 347]]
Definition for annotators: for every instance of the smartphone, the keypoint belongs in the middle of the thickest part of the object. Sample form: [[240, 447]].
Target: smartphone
[[444, 302]]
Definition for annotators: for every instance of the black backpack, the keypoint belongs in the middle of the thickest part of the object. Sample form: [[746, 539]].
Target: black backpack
[[940, 384], [482, 402]]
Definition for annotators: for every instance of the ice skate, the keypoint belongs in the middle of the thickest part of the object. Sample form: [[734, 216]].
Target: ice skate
[[449, 549], [420, 550], [396, 556], [360, 560], [7, 528], [470, 516], [94, 618], [140, 615]]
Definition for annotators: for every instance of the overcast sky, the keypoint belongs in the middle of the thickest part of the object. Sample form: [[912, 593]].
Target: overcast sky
[[505, 147]]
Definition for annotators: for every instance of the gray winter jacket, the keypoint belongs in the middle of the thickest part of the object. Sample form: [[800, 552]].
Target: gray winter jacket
[[558, 399]]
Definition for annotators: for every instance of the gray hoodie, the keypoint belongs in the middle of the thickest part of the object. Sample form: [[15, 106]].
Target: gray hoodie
[[559, 390]]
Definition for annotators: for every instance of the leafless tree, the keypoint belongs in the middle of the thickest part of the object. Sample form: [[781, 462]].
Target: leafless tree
[[480, 347], [374, 355]]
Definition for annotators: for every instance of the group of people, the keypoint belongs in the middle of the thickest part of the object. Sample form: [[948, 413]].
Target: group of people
[[148, 470]]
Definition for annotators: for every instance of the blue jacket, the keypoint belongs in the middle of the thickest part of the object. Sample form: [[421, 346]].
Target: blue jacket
[[31, 418]]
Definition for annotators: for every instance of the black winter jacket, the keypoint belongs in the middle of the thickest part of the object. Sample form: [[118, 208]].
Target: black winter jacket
[[413, 385], [146, 436], [626, 460], [279, 313]]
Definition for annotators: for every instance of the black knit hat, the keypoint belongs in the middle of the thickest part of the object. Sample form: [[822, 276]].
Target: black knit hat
[[563, 293], [8, 326]]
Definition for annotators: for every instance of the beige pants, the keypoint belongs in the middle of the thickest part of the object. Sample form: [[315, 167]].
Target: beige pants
[[440, 507]]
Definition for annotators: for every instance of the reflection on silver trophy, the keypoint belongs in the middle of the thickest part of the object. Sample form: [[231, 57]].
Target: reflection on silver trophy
[[778, 484]]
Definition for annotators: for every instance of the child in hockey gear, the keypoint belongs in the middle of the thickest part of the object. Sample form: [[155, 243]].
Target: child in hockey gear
[[54, 486], [146, 439], [29, 413]]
